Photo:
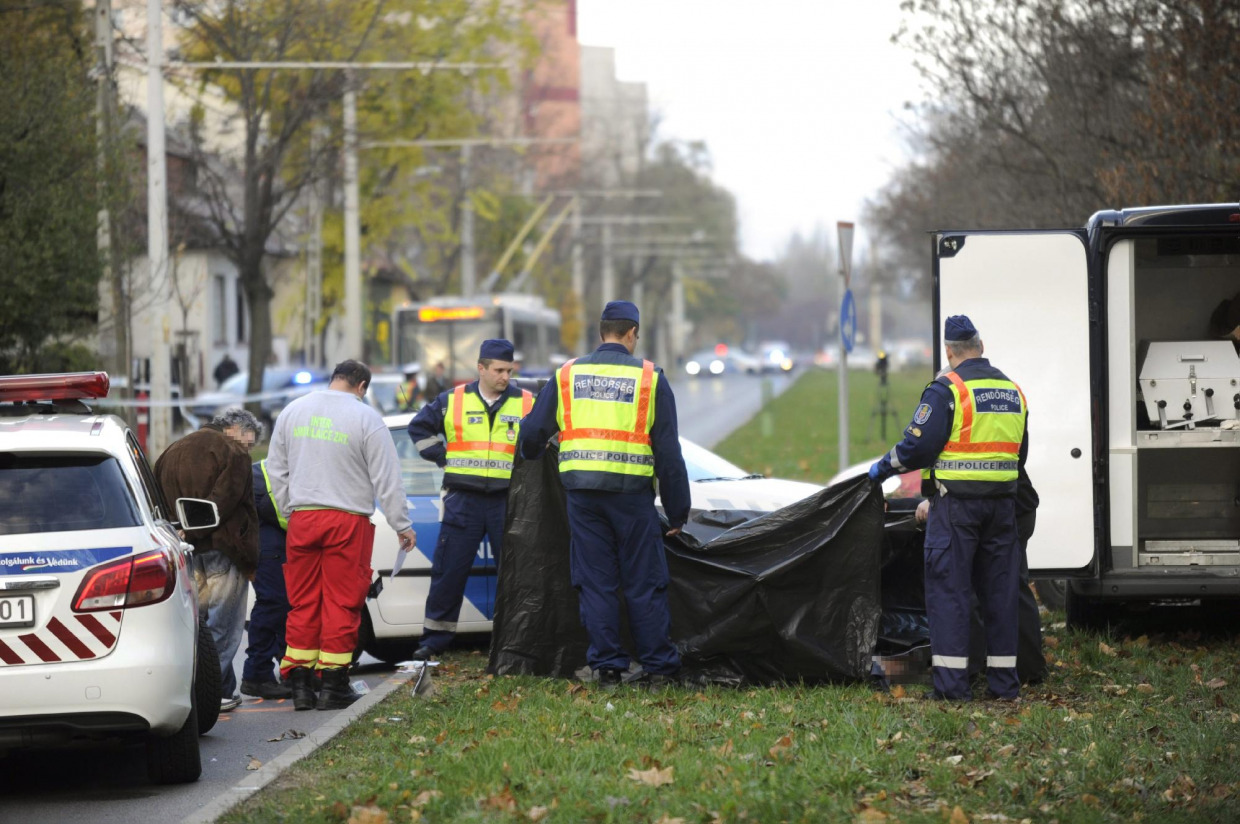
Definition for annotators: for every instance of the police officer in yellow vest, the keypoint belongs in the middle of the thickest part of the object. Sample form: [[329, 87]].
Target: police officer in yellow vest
[[470, 431], [270, 611], [616, 419], [968, 438]]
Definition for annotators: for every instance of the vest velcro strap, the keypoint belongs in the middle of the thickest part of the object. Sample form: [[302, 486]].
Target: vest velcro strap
[[991, 446], [966, 404], [642, 438], [482, 446], [458, 409], [527, 402]]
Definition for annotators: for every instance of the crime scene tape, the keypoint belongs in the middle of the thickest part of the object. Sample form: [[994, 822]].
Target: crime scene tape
[[200, 400]]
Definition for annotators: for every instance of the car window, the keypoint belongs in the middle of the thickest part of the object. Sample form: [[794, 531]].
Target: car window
[[419, 476], [42, 492], [150, 487], [702, 463]]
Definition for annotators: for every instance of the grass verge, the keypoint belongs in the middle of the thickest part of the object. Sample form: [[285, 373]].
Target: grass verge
[[797, 435], [1125, 730]]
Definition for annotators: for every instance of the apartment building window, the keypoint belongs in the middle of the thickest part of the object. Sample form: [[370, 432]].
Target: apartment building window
[[242, 326], [219, 309]]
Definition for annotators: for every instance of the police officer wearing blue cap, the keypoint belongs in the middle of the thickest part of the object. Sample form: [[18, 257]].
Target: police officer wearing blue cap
[[470, 431], [968, 438], [616, 419]]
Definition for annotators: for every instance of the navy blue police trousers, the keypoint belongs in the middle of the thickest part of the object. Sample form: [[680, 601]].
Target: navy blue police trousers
[[616, 548], [972, 546], [468, 517], [266, 634]]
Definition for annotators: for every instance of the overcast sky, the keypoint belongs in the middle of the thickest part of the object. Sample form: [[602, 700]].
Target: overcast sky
[[799, 100]]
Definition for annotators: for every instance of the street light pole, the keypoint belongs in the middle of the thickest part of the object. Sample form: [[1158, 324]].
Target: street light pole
[[468, 273], [352, 229], [160, 432]]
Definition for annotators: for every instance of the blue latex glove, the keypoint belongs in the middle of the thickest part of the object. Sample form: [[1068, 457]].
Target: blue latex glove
[[874, 471]]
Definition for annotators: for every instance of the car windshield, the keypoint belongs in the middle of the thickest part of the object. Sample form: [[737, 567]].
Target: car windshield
[[419, 476], [702, 464], [61, 493]]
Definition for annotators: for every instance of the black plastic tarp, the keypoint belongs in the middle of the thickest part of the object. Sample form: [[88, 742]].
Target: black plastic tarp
[[783, 596]]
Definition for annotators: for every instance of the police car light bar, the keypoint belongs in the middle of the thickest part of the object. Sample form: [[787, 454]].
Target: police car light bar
[[67, 386]]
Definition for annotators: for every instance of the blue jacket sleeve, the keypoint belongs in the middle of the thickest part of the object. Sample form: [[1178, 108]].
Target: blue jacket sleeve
[[538, 426], [669, 464], [925, 436], [427, 432]]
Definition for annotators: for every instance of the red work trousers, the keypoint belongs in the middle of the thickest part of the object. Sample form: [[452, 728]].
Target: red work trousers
[[327, 574]]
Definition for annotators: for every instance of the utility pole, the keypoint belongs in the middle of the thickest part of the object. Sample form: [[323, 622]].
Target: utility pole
[[678, 310], [160, 434], [105, 114], [314, 261], [468, 273], [579, 279], [848, 331], [609, 274], [352, 228]]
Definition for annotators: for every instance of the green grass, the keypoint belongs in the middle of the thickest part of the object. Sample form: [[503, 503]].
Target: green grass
[[1139, 728], [1122, 731], [797, 436]]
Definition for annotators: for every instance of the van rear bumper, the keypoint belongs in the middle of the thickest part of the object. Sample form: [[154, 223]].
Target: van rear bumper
[[1223, 582]]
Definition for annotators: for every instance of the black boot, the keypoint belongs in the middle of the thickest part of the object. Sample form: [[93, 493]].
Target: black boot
[[336, 694], [302, 679]]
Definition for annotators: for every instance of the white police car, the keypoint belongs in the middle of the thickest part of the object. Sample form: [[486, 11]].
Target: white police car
[[99, 633], [392, 623]]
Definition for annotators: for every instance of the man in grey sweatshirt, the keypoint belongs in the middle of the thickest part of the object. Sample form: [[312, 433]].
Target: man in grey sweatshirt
[[331, 457]]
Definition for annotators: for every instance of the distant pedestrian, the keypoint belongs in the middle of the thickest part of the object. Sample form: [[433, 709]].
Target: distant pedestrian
[[968, 438], [616, 419], [214, 463], [472, 433], [225, 369], [436, 383], [331, 457], [267, 618]]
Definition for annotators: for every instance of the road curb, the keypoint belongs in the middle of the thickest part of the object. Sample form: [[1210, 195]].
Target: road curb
[[296, 751]]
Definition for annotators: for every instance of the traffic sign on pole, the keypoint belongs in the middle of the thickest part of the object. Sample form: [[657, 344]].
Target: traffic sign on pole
[[848, 321], [845, 230]]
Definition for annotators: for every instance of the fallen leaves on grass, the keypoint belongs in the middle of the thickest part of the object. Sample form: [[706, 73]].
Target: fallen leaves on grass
[[654, 776], [666, 819], [958, 816], [724, 749], [782, 748], [1106, 649], [502, 800], [425, 797], [537, 813], [368, 815], [1216, 683]]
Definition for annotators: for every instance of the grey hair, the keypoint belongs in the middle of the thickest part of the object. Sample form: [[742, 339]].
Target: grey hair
[[236, 416], [960, 347]]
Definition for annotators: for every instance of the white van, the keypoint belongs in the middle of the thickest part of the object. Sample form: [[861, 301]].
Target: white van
[[1115, 334]]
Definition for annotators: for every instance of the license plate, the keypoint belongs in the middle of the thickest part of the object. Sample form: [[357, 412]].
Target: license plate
[[16, 610]]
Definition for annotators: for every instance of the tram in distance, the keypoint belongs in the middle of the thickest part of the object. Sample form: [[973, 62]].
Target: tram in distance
[[449, 330]]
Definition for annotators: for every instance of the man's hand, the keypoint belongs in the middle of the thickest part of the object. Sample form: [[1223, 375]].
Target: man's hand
[[923, 512], [673, 531], [408, 539], [874, 472]]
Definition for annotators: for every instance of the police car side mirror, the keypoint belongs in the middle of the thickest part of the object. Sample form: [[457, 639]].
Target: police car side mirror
[[196, 513]]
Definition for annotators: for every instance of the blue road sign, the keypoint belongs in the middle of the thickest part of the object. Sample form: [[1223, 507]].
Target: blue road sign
[[848, 321]]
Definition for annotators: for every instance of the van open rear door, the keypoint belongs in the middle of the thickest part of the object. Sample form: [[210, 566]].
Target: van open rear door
[[1027, 293]]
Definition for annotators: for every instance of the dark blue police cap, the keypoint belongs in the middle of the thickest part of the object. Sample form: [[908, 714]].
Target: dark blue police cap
[[621, 310], [958, 327], [496, 349]]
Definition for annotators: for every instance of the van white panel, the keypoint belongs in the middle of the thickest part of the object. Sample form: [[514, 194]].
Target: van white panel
[[1121, 352], [1027, 293], [1123, 481]]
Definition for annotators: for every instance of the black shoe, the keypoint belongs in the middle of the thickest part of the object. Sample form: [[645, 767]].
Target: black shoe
[[422, 654], [609, 678], [266, 689], [336, 693], [653, 681], [935, 695], [301, 681]]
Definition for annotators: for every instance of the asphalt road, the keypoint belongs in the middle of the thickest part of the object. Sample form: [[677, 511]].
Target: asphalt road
[[100, 785]]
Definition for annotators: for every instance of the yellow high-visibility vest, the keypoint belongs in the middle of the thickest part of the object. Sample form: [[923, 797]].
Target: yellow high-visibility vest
[[605, 415], [267, 480], [987, 429], [479, 450]]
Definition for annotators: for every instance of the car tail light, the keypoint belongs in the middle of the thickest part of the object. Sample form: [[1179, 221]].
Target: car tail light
[[129, 582]]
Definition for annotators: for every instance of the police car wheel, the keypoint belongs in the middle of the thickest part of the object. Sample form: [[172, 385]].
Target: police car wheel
[[207, 681], [389, 652], [176, 759], [1083, 612]]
